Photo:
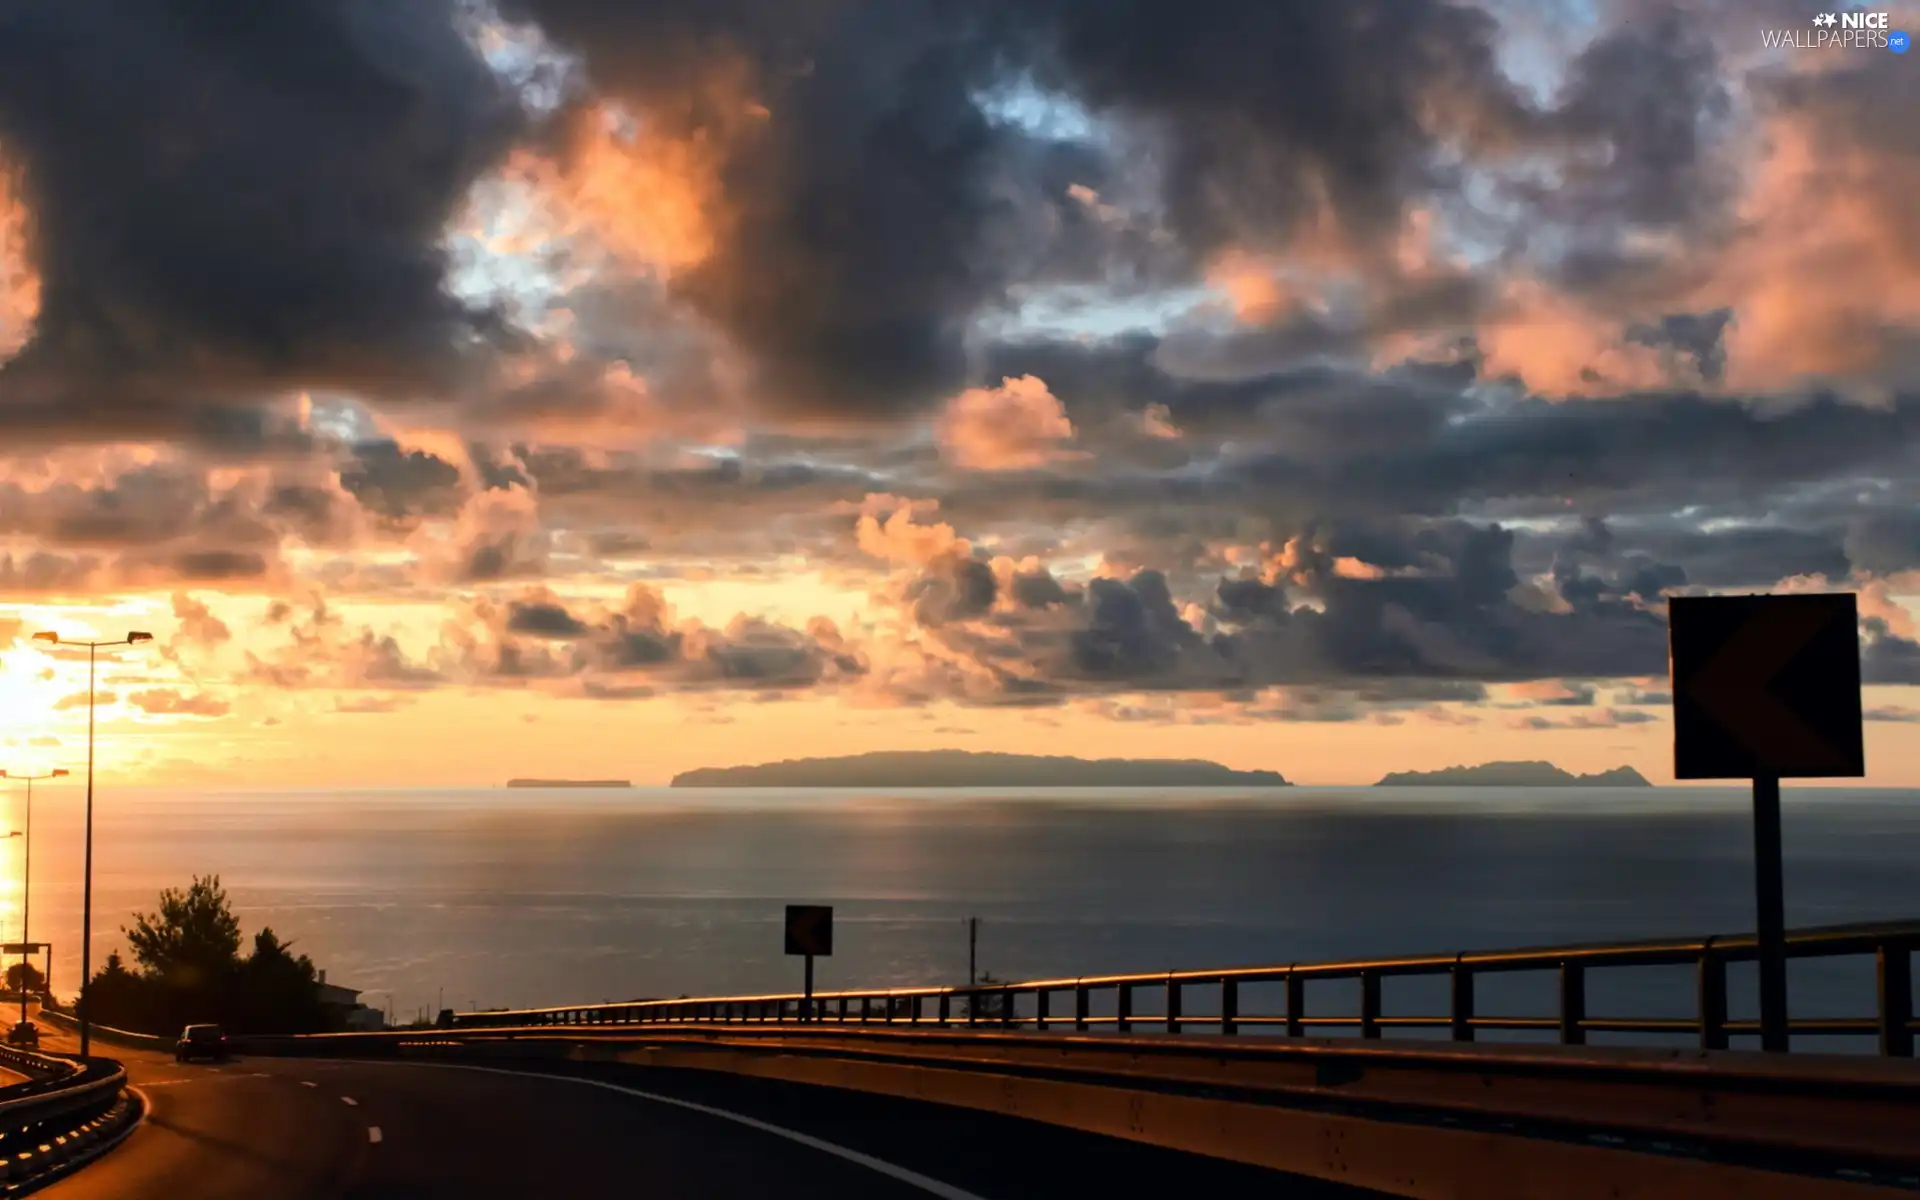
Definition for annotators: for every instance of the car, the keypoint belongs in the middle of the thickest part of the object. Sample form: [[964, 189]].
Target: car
[[26, 1033], [200, 1041]]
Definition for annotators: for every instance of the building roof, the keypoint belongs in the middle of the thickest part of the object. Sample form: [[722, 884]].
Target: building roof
[[333, 993]]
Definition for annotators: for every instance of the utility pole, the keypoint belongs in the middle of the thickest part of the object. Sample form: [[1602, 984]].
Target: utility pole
[[973, 944]]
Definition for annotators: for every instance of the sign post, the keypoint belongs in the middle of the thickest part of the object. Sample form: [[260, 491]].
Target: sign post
[[1766, 688], [809, 932]]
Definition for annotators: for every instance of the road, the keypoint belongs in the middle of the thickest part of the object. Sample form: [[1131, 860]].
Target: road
[[293, 1129]]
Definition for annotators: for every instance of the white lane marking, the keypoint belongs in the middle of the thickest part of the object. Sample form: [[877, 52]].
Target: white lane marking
[[308, 1083], [932, 1187], [164, 1082], [350, 1102], [373, 1134]]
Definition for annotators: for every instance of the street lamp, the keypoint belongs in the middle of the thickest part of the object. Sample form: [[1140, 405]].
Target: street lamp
[[26, 879], [86, 902]]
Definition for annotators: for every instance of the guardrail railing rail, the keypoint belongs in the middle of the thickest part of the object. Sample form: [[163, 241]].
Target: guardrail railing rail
[[1061, 1004]]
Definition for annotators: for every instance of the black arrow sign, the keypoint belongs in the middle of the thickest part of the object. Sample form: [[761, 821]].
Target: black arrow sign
[[810, 929], [1766, 686]]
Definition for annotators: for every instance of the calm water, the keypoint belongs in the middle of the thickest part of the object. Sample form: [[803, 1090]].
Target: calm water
[[527, 897]]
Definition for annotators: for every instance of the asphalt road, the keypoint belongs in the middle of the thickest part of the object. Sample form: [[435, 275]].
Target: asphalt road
[[290, 1129]]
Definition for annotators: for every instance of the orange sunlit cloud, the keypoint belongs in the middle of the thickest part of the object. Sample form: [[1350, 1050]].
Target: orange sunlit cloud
[[19, 284]]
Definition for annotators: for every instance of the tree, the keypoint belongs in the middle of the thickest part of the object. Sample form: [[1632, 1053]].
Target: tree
[[25, 977], [191, 971], [193, 942], [277, 992], [118, 998]]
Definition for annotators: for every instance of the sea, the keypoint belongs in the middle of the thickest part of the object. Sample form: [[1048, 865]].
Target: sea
[[482, 898]]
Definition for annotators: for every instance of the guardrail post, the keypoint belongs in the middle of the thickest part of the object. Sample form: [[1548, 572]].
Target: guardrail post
[[1893, 968], [1229, 1007], [866, 1009], [1573, 1004], [1296, 1003], [1006, 1008], [1123, 1007], [1713, 999], [1369, 1004], [1040, 1009], [1082, 1001], [946, 1008], [973, 1009], [1173, 1004], [843, 1010], [1460, 1008]]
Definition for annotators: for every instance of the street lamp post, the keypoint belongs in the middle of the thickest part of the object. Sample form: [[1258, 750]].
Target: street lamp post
[[86, 894], [26, 879]]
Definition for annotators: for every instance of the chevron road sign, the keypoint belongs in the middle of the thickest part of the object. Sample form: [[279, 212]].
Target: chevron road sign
[[1766, 686], [810, 930]]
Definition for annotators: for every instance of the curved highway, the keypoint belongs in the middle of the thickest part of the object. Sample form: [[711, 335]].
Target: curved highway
[[292, 1129]]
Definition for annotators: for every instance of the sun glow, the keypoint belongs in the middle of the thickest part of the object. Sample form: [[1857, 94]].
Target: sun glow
[[27, 698]]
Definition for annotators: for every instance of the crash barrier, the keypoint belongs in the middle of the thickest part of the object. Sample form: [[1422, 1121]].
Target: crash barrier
[[1034, 1004], [56, 1123], [1406, 1118]]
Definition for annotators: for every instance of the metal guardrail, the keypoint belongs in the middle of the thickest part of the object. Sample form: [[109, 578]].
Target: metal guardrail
[[107, 1033], [1422, 1120], [1029, 1004], [49, 1124]]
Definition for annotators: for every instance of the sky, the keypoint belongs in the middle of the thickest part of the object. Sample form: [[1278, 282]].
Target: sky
[[462, 390]]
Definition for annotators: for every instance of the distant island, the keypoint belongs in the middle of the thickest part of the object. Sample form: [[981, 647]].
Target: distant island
[[1514, 774], [559, 783], [962, 768]]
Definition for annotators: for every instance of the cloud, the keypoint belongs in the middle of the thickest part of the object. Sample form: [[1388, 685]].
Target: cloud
[[198, 626], [1013, 427], [73, 700], [1610, 718], [1893, 713], [639, 649], [19, 282], [370, 704], [169, 702], [277, 205]]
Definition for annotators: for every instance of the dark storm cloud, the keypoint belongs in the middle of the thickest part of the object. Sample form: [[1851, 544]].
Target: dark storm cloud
[[544, 620], [1698, 339], [879, 209], [1886, 657], [1885, 542], [955, 589], [401, 484], [231, 197], [1675, 446], [1455, 618], [1258, 104], [1649, 91], [633, 650]]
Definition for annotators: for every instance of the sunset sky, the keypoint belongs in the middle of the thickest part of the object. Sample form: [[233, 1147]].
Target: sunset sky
[[562, 387]]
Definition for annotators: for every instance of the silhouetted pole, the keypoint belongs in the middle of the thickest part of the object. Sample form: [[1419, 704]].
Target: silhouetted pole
[[806, 1005], [86, 902], [26, 888], [973, 943], [1770, 901]]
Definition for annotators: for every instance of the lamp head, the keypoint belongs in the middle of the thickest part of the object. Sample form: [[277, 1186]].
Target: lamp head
[[47, 636], [138, 637], [59, 771]]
